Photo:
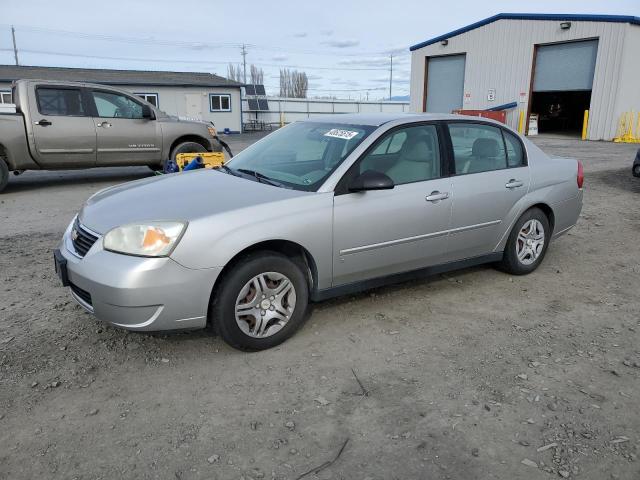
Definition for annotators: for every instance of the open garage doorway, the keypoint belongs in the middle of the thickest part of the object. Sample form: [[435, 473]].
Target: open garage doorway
[[562, 82]]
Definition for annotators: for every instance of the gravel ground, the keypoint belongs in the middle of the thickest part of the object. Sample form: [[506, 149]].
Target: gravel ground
[[469, 375]]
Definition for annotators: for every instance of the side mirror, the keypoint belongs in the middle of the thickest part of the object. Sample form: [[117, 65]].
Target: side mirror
[[147, 112], [371, 180]]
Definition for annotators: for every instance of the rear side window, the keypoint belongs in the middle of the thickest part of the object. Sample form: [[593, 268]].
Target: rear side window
[[60, 101], [515, 155], [477, 148]]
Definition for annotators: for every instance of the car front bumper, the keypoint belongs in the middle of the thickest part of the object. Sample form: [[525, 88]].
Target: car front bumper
[[137, 293]]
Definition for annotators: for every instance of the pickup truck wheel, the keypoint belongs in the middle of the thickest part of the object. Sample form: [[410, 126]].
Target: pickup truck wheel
[[260, 302], [187, 147], [4, 174]]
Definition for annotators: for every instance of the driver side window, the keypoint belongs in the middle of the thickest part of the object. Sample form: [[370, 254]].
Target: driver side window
[[113, 105], [406, 155]]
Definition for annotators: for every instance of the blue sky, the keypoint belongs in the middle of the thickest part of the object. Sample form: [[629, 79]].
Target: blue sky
[[343, 46]]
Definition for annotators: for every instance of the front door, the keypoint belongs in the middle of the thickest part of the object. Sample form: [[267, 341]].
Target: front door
[[124, 137], [193, 106], [378, 233], [491, 177], [64, 135]]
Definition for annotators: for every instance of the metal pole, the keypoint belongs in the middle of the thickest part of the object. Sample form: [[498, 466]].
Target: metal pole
[[15, 48], [244, 62], [390, 75]]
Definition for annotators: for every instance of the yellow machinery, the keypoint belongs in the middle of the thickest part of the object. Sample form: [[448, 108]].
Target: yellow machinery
[[209, 159]]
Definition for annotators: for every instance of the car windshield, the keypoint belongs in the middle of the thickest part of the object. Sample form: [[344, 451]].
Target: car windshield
[[301, 155]]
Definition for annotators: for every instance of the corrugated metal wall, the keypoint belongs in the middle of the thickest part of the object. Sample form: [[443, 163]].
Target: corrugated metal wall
[[500, 56], [294, 109]]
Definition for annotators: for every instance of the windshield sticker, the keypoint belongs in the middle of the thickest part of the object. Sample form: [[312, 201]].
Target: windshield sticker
[[344, 134]]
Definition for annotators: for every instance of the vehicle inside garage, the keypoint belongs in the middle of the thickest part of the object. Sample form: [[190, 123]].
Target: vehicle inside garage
[[562, 83]]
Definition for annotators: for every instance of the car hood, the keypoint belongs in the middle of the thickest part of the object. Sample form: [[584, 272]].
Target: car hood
[[178, 196]]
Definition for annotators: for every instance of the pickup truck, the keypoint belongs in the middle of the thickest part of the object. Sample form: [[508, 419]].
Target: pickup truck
[[66, 125]]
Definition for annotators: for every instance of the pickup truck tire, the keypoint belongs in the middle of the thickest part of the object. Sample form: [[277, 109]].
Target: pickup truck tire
[[4, 174], [186, 147]]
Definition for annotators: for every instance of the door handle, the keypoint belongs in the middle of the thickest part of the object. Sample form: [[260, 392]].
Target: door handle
[[43, 123], [436, 196], [104, 124], [513, 183]]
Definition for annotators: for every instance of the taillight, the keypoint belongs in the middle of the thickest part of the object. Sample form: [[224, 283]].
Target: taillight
[[580, 178]]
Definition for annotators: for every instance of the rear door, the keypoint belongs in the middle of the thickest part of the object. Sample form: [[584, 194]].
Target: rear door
[[491, 176], [383, 232], [124, 137], [64, 135]]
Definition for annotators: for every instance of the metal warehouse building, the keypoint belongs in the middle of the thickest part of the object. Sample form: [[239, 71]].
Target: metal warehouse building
[[201, 96], [552, 66]]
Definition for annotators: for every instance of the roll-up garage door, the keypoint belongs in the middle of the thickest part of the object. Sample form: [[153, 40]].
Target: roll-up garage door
[[445, 83], [565, 66]]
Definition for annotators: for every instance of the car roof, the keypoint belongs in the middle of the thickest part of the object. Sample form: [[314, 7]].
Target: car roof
[[377, 119]]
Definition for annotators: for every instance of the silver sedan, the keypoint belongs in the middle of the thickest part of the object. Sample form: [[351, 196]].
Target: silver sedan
[[316, 209]]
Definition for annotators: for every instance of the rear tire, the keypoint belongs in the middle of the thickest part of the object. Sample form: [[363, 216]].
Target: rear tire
[[527, 243], [262, 301], [636, 170], [4, 174]]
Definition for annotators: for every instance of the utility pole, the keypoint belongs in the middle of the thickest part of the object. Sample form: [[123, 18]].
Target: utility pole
[[390, 75], [15, 48], [244, 62]]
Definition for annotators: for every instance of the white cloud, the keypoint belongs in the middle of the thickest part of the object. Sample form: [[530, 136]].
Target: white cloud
[[343, 43]]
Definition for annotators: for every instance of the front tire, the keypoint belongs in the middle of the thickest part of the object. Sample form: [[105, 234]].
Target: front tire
[[187, 147], [4, 174], [636, 170], [527, 243], [260, 302]]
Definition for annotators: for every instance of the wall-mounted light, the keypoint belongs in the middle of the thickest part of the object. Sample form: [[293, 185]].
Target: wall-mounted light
[[444, 43], [565, 25]]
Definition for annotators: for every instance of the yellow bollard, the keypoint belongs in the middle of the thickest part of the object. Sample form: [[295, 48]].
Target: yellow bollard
[[521, 122], [585, 124]]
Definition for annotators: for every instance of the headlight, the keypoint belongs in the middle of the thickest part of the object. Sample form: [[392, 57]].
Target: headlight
[[155, 239], [212, 131]]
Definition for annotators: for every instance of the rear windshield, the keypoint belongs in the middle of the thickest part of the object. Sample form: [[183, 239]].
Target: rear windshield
[[302, 155]]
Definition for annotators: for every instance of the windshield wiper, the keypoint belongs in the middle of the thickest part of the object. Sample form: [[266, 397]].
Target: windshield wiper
[[261, 178], [230, 171]]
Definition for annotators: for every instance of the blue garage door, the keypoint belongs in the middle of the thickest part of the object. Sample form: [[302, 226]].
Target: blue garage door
[[445, 83], [565, 66]]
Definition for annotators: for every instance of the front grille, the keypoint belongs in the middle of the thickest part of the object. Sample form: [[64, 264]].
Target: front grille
[[81, 239], [82, 294]]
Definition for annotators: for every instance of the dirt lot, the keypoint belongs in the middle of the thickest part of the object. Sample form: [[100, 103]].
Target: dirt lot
[[470, 375]]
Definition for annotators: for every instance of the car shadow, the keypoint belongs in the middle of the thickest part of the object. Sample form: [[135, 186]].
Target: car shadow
[[35, 180]]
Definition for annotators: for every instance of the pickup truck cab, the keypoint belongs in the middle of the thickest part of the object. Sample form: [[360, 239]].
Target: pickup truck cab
[[67, 125]]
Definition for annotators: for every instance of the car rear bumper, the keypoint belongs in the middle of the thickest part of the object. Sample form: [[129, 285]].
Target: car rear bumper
[[137, 293]]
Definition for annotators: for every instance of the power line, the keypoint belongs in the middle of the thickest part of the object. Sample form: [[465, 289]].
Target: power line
[[199, 62], [189, 44]]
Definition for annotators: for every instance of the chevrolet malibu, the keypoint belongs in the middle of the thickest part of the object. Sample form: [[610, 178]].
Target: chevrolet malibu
[[316, 209]]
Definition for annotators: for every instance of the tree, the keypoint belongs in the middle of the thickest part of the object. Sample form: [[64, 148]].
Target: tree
[[234, 72], [256, 75], [293, 84]]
